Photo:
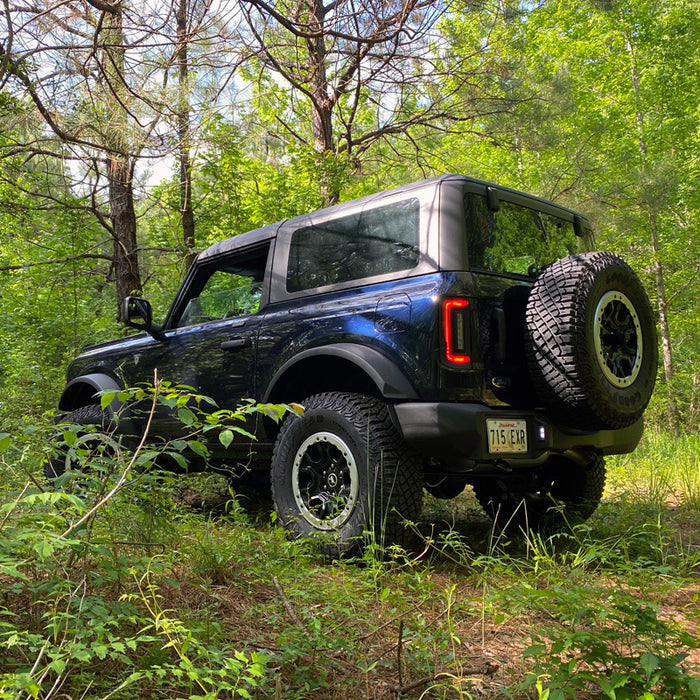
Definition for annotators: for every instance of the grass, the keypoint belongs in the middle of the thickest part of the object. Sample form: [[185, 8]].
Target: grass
[[163, 593], [663, 470]]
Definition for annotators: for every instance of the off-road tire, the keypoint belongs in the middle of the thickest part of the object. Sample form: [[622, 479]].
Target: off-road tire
[[591, 342], [90, 415], [564, 493], [343, 475]]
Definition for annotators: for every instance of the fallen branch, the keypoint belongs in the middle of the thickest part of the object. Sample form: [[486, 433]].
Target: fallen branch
[[489, 668], [288, 605]]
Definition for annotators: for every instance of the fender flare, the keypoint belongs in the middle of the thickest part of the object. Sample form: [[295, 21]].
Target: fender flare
[[391, 382], [89, 385]]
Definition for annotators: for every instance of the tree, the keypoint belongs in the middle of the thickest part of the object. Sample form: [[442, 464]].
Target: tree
[[336, 78], [606, 121], [98, 73]]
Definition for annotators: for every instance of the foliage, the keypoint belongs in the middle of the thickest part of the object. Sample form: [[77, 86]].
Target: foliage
[[80, 590], [145, 595], [601, 115], [593, 105], [617, 646]]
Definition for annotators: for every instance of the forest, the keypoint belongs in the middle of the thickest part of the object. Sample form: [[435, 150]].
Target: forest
[[135, 134]]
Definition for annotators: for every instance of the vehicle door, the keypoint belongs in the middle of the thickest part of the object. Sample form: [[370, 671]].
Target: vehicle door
[[211, 336]]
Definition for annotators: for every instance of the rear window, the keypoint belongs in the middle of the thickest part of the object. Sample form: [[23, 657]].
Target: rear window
[[515, 240], [374, 242]]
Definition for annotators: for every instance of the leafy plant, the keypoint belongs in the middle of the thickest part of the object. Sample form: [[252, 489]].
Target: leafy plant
[[76, 594], [617, 646]]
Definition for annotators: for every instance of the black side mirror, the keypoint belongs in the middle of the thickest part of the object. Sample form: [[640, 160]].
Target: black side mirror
[[137, 313]]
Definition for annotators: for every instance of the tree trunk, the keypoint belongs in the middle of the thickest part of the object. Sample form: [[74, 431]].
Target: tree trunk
[[666, 348], [120, 172], [321, 101], [183, 128], [123, 219]]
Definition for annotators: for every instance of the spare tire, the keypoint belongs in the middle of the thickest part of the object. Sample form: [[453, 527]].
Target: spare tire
[[591, 342]]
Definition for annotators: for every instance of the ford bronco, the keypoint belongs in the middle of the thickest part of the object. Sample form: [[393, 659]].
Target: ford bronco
[[446, 333]]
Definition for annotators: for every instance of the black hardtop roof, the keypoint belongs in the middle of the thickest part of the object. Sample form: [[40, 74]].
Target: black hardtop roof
[[265, 233]]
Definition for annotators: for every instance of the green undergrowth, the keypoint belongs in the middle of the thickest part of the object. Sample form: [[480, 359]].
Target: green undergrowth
[[132, 583]]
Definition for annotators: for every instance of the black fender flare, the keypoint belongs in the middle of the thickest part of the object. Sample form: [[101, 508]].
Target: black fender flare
[[84, 389], [390, 381]]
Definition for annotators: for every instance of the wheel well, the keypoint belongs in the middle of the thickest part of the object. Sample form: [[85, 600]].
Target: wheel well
[[83, 391], [316, 375], [77, 396]]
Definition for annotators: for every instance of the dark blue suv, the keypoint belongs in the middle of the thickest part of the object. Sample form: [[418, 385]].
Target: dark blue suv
[[444, 333]]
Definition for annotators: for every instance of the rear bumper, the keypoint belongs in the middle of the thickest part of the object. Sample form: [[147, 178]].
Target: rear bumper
[[449, 431]]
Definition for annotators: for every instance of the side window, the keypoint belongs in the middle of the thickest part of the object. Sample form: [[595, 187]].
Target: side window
[[226, 290], [515, 239], [374, 242]]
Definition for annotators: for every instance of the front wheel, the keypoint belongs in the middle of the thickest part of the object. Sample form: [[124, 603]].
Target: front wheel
[[342, 473], [566, 491], [90, 447]]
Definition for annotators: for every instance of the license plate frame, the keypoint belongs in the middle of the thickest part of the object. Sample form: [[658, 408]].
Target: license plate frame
[[507, 435]]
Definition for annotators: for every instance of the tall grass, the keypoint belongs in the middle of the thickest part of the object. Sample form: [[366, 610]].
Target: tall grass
[[664, 469]]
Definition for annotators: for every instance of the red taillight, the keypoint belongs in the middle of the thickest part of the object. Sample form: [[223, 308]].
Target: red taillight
[[456, 330]]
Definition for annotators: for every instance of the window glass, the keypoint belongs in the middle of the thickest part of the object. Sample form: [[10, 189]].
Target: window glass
[[226, 290], [374, 242], [515, 240]]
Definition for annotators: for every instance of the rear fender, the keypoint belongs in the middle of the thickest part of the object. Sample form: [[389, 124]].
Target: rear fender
[[391, 382]]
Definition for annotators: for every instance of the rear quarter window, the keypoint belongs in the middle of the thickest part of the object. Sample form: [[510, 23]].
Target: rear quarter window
[[515, 240], [369, 243]]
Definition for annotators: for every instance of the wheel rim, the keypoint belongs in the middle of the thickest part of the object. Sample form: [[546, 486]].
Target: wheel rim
[[325, 481], [618, 339]]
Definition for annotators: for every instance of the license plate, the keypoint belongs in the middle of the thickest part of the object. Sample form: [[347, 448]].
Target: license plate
[[507, 435]]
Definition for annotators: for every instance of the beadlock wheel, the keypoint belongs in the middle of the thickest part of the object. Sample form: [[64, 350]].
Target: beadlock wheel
[[618, 338], [343, 475], [325, 481], [591, 342]]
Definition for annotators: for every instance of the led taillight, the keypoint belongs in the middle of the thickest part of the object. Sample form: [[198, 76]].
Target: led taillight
[[456, 330]]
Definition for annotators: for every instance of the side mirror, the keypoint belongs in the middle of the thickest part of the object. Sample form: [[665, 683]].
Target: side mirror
[[137, 313]]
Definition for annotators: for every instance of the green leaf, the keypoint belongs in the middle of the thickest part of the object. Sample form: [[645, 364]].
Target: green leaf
[[5, 440], [58, 666], [106, 398], [186, 416], [10, 569], [610, 687], [180, 459], [198, 448], [44, 548], [649, 662], [226, 438]]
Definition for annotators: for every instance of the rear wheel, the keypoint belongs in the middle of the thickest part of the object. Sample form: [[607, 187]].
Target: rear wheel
[[565, 492], [341, 473]]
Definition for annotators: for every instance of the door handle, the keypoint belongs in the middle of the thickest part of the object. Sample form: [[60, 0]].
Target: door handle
[[236, 343]]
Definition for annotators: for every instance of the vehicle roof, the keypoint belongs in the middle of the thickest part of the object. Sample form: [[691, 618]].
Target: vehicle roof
[[265, 233]]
